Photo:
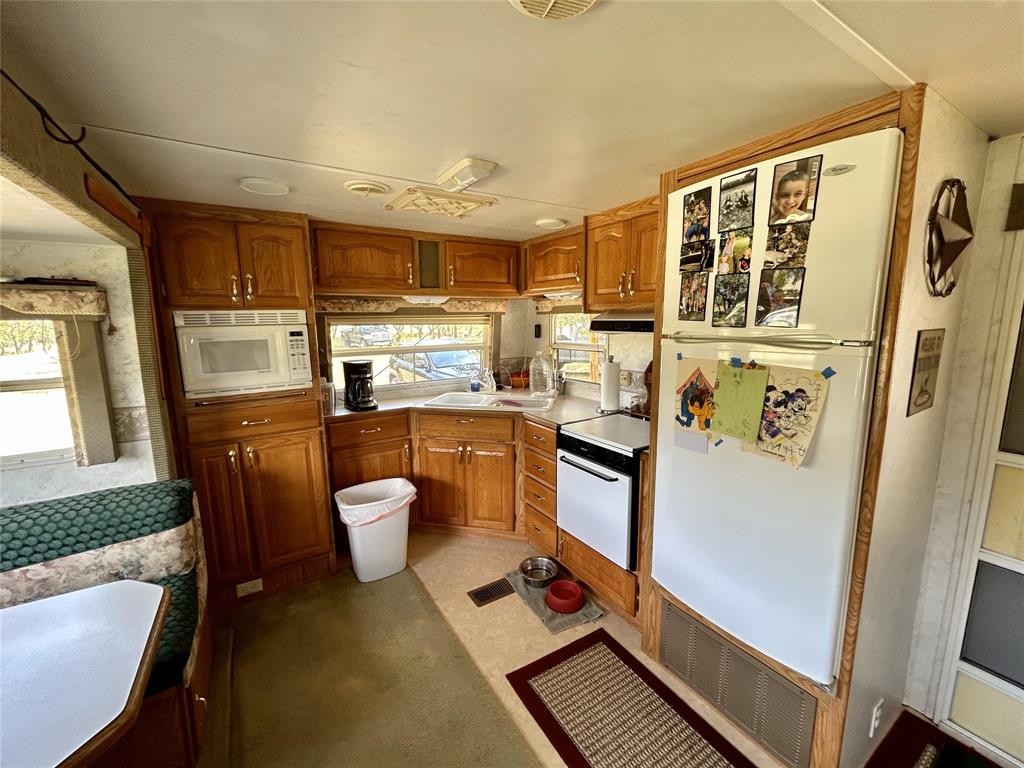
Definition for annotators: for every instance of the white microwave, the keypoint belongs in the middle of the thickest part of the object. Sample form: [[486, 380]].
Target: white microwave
[[237, 353]]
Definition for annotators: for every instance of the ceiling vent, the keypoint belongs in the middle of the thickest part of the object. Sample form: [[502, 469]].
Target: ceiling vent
[[427, 200], [365, 187], [553, 10]]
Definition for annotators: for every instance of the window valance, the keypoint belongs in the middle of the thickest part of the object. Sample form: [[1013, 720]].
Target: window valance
[[18, 300]]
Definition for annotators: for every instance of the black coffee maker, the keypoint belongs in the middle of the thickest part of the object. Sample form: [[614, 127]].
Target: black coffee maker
[[359, 385]]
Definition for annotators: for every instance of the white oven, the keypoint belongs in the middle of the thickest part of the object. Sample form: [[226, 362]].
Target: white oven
[[234, 353]]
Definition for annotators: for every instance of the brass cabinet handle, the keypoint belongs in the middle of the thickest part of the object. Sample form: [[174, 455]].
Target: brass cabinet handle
[[539, 498], [629, 285], [465, 421], [249, 292], [254, 423], [469, 454], [451, 274], [234, 289], [578, 266], [252, 457], [538, 437], [369, 431], [622, 291], [408, 457], [233, 458], [538, 468], [536, 529], [460, 454], [409, 278]]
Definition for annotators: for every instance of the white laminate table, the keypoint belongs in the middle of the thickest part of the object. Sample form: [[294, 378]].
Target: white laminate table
[[73, 669]]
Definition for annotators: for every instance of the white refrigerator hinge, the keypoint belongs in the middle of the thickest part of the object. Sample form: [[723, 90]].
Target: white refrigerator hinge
[[855, 343]]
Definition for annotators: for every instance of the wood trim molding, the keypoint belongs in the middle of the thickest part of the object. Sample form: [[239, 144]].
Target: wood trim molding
[[558, 235], [108, 200], [626, 211], [315, 224], [873, 115], [903, 110], [112, 731], [157, 207]]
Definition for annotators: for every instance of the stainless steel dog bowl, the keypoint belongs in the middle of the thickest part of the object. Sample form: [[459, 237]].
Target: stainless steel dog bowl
[[538, 571]]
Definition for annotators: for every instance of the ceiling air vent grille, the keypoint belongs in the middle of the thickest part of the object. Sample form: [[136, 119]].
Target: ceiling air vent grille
[[426, 200], [553, 10]]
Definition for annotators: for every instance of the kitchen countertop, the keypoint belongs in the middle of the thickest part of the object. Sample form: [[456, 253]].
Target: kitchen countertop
[[566, 409]]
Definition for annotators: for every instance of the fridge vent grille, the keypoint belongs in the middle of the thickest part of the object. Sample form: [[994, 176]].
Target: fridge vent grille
[[776, 713], [296, 317]]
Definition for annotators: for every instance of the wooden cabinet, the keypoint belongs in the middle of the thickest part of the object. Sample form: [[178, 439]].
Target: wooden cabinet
[[263, 501], [541, 531], [490, 486], [480, 268], [273, 266], [200, 262], [622, 264], [554, 264], [440, 481], [287, 499], [361, 263], [371, 462], [614, 584], [218, 264]]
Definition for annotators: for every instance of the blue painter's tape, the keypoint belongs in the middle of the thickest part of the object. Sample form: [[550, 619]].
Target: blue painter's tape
[[679, 355], [828, 373], [718, 442], [736, 362]]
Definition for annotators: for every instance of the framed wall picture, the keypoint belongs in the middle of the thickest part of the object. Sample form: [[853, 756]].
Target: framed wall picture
[[926, 370]]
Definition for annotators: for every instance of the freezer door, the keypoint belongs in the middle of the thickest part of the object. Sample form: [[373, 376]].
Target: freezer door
[[757, 547], [848, 245]]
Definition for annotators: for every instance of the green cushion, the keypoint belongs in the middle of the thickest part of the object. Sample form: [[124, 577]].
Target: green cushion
[[179, 628], [46, 530]]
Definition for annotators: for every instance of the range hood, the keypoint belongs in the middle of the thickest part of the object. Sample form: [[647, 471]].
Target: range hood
[[623, 322]]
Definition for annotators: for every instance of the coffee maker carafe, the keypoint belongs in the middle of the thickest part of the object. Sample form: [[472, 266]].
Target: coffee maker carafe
[[359, 385]]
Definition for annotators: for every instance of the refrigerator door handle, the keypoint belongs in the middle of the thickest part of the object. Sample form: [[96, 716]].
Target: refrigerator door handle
[[794, 342]]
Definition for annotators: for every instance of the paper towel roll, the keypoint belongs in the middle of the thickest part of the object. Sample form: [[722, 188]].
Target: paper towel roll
[[610, 386]]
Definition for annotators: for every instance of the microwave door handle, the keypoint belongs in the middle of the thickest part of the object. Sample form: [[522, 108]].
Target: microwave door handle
[[587, 470]]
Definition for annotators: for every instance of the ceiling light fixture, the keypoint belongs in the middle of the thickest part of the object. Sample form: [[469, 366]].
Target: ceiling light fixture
[[551, 223], [261, 186], [553, 10], [365, 187], [466, 172]]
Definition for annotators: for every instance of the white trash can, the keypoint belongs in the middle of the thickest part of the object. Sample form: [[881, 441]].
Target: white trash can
[[377, 517]]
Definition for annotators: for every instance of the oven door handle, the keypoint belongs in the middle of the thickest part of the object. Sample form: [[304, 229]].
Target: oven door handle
[[587, 470]]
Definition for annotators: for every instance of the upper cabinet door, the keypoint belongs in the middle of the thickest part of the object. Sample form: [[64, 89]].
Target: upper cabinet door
[[479, 269], [200, 262], [273, 265], [364, 263], [287, 497], [555, 264], [642, 280], [608, 266]]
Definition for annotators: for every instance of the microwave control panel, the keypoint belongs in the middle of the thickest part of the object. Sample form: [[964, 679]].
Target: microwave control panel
[[298, 351]]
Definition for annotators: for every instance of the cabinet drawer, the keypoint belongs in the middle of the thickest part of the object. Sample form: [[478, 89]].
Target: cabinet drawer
[[252, 421], [541, 467], [599, 573], [541, 532], [469, 427], [350, 431], [539, 438], [540, 496]]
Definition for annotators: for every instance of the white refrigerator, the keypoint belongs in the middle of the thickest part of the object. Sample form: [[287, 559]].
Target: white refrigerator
[[759, 548]]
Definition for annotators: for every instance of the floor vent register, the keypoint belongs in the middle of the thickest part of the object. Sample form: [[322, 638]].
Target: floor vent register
[[488, 593]]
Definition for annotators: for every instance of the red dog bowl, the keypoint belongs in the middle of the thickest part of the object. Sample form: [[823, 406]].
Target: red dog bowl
[[564, 596]]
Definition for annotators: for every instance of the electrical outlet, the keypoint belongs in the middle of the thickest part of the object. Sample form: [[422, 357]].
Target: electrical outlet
[[248, 587], [876, 718]]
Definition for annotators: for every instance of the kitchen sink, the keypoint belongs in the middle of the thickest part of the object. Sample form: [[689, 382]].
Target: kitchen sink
[[490, 400]]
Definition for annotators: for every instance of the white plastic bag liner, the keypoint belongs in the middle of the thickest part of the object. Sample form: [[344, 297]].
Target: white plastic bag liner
[[364, 503]]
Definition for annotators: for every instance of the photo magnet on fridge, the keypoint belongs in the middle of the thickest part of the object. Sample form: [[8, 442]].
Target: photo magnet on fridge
[[693, 296], [736, 201], [778, 298], [734, 251], [729, 309], [795, 190], [697, 216], [926, 370], [698, 256], [787, 246]]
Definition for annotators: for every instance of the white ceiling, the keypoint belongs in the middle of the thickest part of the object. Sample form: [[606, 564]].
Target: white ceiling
[[581, 115], [23, 216]]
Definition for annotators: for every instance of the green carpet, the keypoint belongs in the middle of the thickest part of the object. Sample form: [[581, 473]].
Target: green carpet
[[347, 674]]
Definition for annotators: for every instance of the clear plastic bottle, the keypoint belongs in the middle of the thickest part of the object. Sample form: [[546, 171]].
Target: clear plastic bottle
[[542, 377]]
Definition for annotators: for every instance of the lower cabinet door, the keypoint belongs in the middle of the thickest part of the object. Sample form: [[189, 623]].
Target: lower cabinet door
[[614, 584], [287, 497], [440, 482], [490, 485], [217, 474], [373, 462]]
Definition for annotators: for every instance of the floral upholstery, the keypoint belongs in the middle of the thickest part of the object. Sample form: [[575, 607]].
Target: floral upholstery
[[146, 532]]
